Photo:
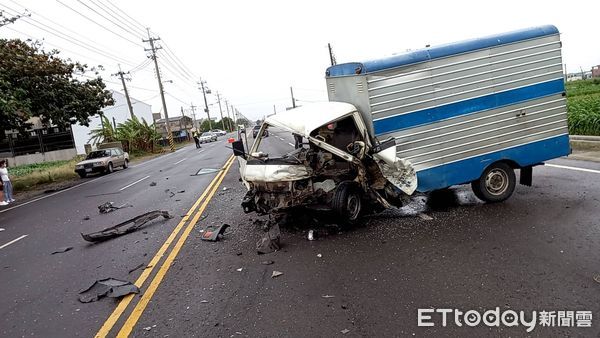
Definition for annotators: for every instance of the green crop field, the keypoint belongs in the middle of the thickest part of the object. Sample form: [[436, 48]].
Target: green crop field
[[583, 106]]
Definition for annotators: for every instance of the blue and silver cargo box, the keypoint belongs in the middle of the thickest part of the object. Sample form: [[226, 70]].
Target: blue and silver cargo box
[[456, 108]]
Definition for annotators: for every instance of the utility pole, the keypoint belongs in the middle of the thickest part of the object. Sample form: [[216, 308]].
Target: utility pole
[[331, 56], [274, 110], [293, 100], [204, 91], [153, 49], [193, 108], [121, 74], [229, 117], [220, 109]]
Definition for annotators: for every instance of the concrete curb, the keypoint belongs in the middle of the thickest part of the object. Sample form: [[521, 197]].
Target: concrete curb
[[584, 143]]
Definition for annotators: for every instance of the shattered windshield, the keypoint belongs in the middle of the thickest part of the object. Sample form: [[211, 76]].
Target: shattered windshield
[[276, 143], [97, 154]]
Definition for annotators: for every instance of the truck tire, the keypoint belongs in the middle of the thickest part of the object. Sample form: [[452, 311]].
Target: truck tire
[[496, 184], [347, 202]]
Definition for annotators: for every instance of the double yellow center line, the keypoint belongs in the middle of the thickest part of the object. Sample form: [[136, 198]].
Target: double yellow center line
[[133, 318]]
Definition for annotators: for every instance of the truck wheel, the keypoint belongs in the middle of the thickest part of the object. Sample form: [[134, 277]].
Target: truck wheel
[[496, 184], [347, 202]]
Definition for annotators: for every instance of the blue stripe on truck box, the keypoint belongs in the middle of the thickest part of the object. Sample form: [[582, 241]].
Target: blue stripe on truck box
[[497, 100], [467, 170]]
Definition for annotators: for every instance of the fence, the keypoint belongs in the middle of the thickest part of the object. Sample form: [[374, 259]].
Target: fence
[[35, 141]]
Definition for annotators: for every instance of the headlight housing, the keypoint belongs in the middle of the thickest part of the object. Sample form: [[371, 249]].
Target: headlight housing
[[79, 166], [98, 164]]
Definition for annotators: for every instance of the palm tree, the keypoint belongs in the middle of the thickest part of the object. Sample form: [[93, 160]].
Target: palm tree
[[106, 133]]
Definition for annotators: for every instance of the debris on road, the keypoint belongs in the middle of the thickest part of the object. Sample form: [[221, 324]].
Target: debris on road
[[153, 184], [107, 207], [205, 171], [267, 262], [597, 278], [424, 216], [270, 242], [319, 255], [137, 267], [311, 235], [109, 287], [327, 296], [276, 274], [181, 191], [124, 227], [240, 269], [344, 331], [62, 249], [86, 218], [213, 232], [1, 229], [224, 188], [204, 301]]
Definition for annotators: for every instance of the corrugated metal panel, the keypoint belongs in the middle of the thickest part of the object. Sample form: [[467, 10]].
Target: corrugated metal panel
[[444, 81], [471, 104]]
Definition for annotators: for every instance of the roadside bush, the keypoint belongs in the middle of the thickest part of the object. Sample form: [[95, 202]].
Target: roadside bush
[[583, 106], [584, 115]]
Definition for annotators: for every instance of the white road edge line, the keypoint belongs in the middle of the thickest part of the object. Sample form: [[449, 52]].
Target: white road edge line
[[138, 181], [291, 144], [573, 168], [181, 161], [13, 241], [56, 193]]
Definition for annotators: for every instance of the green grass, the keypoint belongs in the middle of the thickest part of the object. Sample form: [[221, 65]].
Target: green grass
[[583, 106], [27, 177]]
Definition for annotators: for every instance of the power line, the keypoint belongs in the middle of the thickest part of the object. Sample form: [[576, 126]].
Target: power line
[[66, 37], [51, 44], [109, 20], [176, 67], [184, 67], [96, 45], [127, 15], [103, 26], [117, 16]]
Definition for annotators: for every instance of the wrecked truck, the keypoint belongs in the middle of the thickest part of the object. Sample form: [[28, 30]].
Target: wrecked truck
[[470, 112], [339, 167]]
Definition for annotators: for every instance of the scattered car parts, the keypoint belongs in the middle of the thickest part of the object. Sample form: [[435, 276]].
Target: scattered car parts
[[109, 287], [125, 227]]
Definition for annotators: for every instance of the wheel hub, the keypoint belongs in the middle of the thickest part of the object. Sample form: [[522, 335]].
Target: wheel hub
[[496, 181]]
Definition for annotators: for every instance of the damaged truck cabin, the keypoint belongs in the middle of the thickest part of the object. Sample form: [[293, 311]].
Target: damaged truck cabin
[[337, 167], [467, 112]]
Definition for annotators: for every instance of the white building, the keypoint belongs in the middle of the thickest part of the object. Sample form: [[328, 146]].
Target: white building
[[117, 113]]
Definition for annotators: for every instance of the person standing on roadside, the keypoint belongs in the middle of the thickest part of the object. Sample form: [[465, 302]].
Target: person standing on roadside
[[6, 184], [2, 201]]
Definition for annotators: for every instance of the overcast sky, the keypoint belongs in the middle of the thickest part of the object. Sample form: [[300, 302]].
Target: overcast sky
[[253, 51]]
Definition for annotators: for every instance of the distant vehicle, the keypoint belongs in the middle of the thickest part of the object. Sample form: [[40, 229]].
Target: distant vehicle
[[102, 161], [255, 130], [207, 137], [219, 132]]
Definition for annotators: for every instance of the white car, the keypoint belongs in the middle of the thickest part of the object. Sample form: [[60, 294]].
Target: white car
[[219, 132], [207, 137]]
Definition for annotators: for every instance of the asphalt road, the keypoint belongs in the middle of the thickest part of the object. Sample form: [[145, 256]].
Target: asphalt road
[[537, 251], [39, 290]]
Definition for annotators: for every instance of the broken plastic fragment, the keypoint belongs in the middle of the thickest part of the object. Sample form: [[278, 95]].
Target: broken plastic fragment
[[125, 227], [344, 331], [276, 274], [62, 249], [212, 232], [109, 287]]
